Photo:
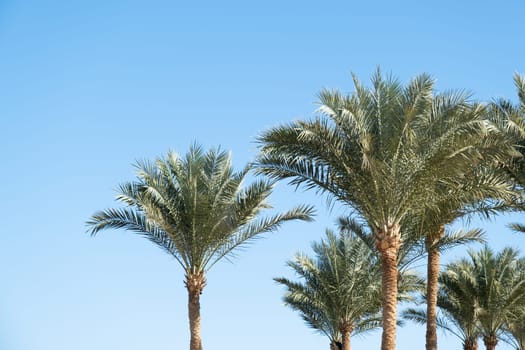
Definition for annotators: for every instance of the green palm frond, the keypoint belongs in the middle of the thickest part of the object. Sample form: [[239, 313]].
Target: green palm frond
[[195, 207], [460, 237], [419, 316], [517, 227], [388, 149]]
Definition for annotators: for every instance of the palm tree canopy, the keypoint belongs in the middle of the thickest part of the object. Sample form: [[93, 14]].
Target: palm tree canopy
[[500, 286], [341, 286], [385, 150], [194, 207]]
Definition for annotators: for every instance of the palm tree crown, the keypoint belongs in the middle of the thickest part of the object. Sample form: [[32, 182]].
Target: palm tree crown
[[500, 286]]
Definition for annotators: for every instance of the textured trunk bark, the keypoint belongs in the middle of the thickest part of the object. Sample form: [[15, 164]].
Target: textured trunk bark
[[346, 341], [345, 332], [388, 242], [490, 341], [470, 344], [195, 283], [432, 286]]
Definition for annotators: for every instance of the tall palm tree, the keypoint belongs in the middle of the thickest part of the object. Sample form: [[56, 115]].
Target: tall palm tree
[[340, 291], [484, 191], [196, 210], [375, 151]]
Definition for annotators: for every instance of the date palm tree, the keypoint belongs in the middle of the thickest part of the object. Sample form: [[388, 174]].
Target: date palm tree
[[340, 291], [457, 305], [377, 152], [484, 191], [500, 286], [196, 209], [480, 295]]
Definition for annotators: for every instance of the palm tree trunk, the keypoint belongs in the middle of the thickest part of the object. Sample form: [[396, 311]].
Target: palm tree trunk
[[490, 341], [195, 283], [470, 344], [388, 242], [345, 332], [334, 345], [432, 286]]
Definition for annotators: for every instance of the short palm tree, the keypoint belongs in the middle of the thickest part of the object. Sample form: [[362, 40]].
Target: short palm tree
[[480, 295], [340, 291], [196, 210], [457, 305], [500, 286], [377, 151]]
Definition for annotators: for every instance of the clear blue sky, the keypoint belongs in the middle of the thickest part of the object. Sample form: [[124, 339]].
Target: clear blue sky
[[88, 87]]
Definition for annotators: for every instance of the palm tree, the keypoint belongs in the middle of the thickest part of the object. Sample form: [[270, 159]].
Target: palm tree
[[377, 152], [195, 209], [340, 292], [500, 286], [480, 295], [457, 305], [484, 191]]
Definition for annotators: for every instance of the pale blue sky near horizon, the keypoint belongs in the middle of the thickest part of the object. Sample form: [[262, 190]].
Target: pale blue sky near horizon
[[88, 87]]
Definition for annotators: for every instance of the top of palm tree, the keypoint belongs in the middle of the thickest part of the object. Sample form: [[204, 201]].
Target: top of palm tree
[[386, 150], [500, 284], [194, 207]]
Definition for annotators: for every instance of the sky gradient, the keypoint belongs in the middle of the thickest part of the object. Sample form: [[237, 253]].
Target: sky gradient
[[88, 87]]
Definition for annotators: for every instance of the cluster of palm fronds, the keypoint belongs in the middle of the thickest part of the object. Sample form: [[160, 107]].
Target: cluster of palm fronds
[[405, 162]]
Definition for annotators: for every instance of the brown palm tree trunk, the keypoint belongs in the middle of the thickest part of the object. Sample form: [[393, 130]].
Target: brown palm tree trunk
[[490, 341], [388, 242], [195, 283], [334, 345], [470, 344], [432, 286], [345, 332]]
